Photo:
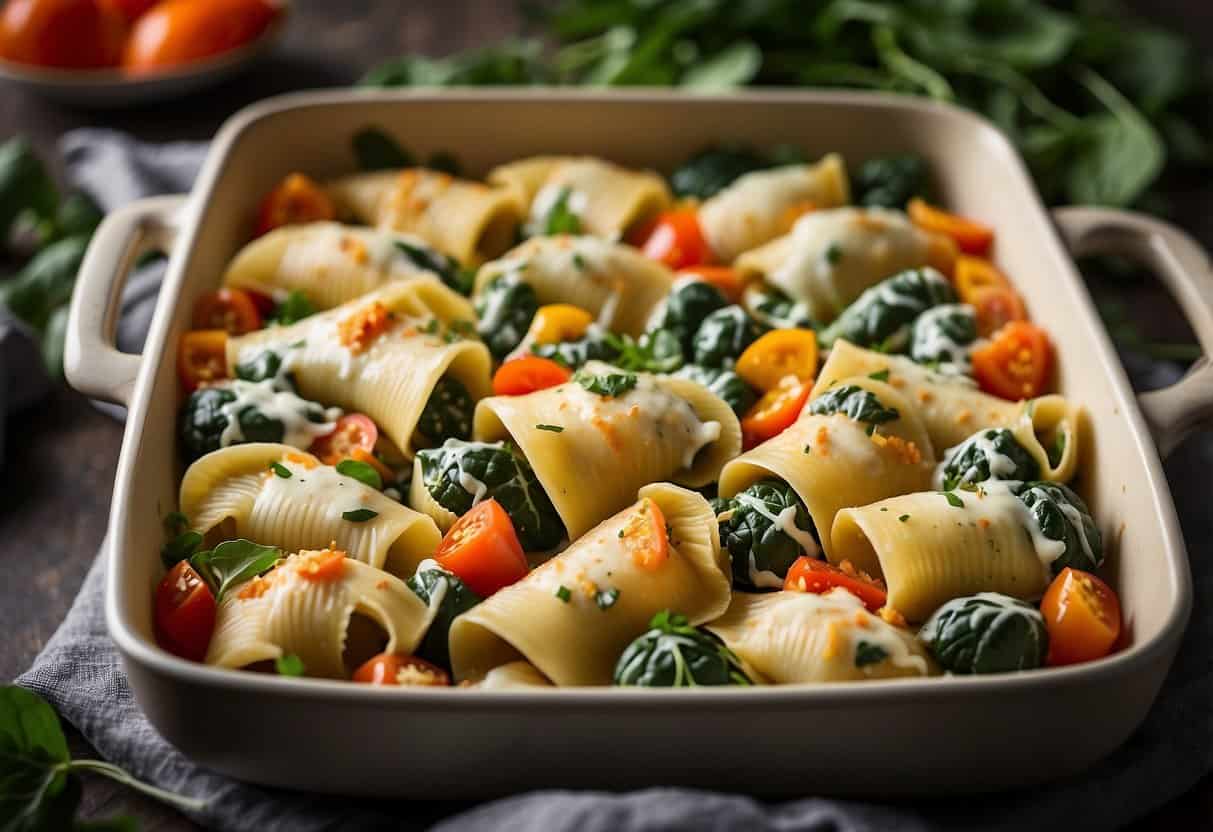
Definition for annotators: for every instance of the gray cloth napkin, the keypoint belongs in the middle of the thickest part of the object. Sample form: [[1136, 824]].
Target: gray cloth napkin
[[79, 673]]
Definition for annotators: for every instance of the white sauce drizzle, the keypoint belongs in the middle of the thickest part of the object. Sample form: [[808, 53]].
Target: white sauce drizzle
[[931, 339], [281, 405], [456, 451], [1001, 465]]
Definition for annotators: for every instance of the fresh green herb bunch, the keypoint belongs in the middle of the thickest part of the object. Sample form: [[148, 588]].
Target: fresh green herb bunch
[[759, 544], [673, 654], [861, 405], [881, 317], [1063, 516], [504, 311], [447, 412], [986, 633], [993, 454], [507, 478], [454, 598], [1097, 101]]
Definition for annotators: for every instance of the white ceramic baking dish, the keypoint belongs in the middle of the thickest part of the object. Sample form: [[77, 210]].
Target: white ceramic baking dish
[[875, 738]]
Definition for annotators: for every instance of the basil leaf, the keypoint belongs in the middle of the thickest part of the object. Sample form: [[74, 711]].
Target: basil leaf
[[953, 500], [232, 563], [359, 515], [282, 471], [561, 219], [607, 384], [289, 665], [295, 308], [179, 548], [34, 762], [361, 471]]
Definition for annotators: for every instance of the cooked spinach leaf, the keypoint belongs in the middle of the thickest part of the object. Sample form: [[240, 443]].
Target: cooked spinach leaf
[[453, 472], [986, 633], [446, 267], [882, 315], [686, 307], [772, 308], [861, 405], [769, 528], [448, 412], [673, 654], [504, 311], [435, 585], [726, 384], [941, 336], [723, 336], [376, 150], [293, 309], [1063, 516], [205, 421], [992, 454]]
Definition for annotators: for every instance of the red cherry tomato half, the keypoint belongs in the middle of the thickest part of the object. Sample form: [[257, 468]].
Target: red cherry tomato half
[[1082, 614], [1016, 364], [354, 431], [400, 669], [185, 613], [811, 575], [674, 238], [232, 310], [483, 550], [520, 376]]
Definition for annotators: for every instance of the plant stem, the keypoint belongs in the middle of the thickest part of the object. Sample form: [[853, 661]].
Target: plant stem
[[185, 804]]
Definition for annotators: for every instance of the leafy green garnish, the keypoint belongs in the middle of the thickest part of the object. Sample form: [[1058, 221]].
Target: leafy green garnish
[[880, 375], [953, 500], [563, 593], [606, 384], [903, 518], [606, 598], [282, 471], [39, 789], [359, 515], [1056, 450], [867, 653], [550, 428], [364, 472], [859, 404], [232, 563], [293, 309], [376, 150], [673, 654], [561, 219], [289, 664]]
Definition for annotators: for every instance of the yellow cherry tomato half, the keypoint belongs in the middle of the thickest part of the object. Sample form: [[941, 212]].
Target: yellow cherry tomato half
[[778, 354], [558, 322]]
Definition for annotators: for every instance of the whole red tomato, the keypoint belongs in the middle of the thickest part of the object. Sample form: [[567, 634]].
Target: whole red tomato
[[178, 32], [67, 34]]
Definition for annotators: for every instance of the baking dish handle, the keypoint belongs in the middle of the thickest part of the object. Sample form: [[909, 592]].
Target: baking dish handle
[[1173, 412], [91, 362]]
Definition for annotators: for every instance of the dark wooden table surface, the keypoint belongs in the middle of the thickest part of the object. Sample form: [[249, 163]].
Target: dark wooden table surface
[[55, 491]]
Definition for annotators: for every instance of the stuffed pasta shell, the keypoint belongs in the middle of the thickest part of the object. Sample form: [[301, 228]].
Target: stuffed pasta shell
[[830, 257], [581, 194], [793, 637], [593, 441], [762, 205], [385, 354], [330, 611], [282, 497], [470, 221], [612, 281], [661, 552], [953, 408], [331, 264]]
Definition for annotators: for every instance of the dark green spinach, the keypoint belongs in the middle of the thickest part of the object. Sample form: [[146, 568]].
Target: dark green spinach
[[673, 654]]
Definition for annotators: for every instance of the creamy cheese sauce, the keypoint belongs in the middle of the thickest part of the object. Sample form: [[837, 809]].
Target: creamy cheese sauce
[[1002, 467], [457, 451], [281, 405], [932, 341], [322, 485], [785, 521], [995, 502]]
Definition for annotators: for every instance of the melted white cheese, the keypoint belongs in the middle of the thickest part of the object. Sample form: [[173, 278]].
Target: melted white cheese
[[281, 405], [1002, 467]]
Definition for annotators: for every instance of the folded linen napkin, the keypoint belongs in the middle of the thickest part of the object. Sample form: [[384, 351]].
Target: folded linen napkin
[[79, 673]]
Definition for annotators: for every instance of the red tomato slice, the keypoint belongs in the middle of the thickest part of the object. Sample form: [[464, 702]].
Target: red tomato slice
[[811, 575], [483, 550], [674, 238], [201, 357], [400, 669], [354, 431], [971, 236], [1082, 614], [297, 199], [233, 310], [520, 376], [185, 613], [775, 411], [1016, 364]]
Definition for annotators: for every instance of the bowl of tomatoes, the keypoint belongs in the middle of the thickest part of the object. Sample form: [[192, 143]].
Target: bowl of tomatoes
[[104, 53]]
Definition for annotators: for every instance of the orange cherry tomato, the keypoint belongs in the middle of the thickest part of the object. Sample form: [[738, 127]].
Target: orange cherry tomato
[[185, 613], [296, 199], [1082, 614], [1016, 364], [202, 357], [178, 32], [971, 236], [400, 669], [778, 354], [725, 278], [129, 9], [775, 411], [645, 535], [997, 306], [483, 550], [812, 575], [973, 274], [520, 376], [68, 34], [674, 238], [232, 310], [353, 431]]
